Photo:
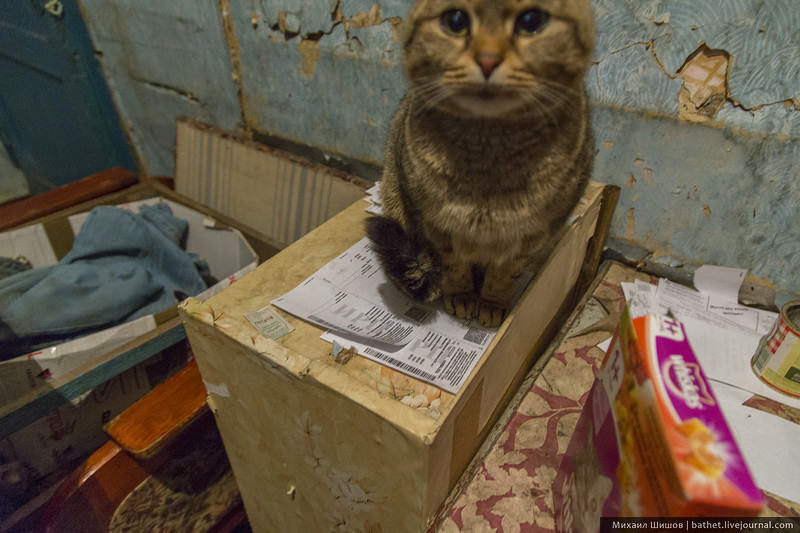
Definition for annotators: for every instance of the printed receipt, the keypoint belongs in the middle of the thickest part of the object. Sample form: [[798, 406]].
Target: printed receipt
[[362, 309]]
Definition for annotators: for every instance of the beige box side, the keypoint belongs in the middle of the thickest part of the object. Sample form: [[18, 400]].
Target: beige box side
[[416, 455], [305, 453]]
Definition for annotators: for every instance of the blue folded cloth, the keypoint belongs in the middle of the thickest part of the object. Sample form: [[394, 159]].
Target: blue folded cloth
[[122, 266]]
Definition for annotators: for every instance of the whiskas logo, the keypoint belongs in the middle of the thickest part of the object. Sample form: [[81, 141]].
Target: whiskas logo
[[684, 380]]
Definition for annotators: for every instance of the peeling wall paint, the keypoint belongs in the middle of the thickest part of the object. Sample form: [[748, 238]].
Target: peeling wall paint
[[723, 193], [163, 60], [705, 85], [322, 74], [652, 40], [704, 194], [696, 104]]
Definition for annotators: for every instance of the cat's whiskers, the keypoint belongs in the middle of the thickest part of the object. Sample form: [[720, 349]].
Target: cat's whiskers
[[538, 108], [546, 102], [555, 99], [429, 93], [561, 88], [523, 76], [546, 98]]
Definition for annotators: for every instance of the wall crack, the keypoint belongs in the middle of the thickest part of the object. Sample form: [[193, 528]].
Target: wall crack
[[235, 54], [183, 93], [706, 76]]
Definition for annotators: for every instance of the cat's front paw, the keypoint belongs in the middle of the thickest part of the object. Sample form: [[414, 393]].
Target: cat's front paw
[[462, 305], [491, 314]]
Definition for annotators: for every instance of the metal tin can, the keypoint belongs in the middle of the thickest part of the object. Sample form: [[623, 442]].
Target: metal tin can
[[777, 360]]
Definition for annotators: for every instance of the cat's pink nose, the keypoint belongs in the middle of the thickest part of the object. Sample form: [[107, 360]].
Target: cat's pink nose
[[488, 63]]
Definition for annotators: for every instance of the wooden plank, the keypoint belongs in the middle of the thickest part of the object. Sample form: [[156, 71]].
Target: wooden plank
[[608, 204], [88, 497], [100, 184], [26, 409], [277, 193], [149, 425]]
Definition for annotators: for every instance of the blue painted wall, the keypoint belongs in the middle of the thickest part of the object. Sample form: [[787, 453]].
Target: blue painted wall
[[708, 171]]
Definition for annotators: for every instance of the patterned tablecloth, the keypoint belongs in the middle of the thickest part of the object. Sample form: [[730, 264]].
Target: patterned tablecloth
[[508, 486]]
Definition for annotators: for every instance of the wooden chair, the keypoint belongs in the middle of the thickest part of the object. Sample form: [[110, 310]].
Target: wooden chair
[[163, 468]]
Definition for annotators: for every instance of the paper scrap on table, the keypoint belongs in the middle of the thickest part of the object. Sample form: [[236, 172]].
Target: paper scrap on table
[[687, 303], [640, 296], [374, 199], [713, 308], [768, 442], [605, 344], [720, 282], [352, 297]]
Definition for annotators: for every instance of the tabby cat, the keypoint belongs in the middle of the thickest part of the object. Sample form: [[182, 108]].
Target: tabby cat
[[489, 151]]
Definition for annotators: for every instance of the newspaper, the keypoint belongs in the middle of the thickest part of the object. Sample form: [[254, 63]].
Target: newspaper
[[352, 297]]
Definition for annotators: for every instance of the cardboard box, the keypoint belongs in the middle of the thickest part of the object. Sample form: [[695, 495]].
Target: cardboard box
[[651, 440], [319, 443], [43, 451], [33, 385]]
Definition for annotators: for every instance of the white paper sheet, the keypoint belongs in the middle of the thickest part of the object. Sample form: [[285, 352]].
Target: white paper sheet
[[352, 297], [56, 361], [768, 442], [686, 303], [725, 355], [721, 282], [374, 199], [640, 296], [31, 243]]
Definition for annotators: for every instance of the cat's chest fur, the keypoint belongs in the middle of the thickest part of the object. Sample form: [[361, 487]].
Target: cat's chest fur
[[481, 185]]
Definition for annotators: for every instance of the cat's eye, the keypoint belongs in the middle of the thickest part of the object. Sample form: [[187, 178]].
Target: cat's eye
[[455, 22], [531, 22]]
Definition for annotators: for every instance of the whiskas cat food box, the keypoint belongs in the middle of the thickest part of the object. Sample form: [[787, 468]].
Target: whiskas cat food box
[[651, 440]]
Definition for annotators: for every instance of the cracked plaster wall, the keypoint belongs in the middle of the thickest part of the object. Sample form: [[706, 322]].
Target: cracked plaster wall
[[696, 103], [163, 60], [696, 116], [323, 73]]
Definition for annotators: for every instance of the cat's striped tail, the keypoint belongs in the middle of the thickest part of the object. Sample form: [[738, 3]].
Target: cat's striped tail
[[408, 260]]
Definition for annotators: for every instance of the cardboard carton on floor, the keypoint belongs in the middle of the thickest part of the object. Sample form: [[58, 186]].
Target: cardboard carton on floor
[[319, 443], [38, 425]]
